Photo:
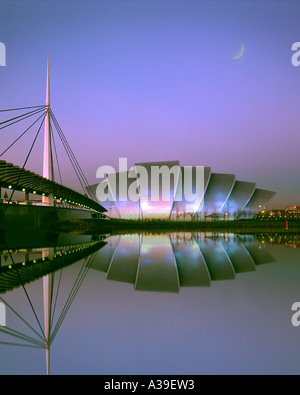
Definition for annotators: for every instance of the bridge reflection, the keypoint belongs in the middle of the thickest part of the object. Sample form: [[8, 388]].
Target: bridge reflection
[[26, 266], [20, 267], [149, 262]]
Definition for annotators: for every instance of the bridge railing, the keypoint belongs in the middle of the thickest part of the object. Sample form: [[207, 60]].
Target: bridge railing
[[40, 203]]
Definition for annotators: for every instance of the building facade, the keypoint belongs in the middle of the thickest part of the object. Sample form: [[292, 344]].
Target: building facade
[[167, 190]]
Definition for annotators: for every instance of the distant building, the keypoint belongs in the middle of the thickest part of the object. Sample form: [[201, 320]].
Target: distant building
[[221, 196], [293, 209], [290, 212]]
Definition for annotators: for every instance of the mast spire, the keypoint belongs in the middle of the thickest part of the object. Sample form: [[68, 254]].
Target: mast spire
[[49, 201], [47, 164]]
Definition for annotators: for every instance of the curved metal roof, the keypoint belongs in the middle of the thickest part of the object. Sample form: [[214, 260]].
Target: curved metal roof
[[217, 192], [259, 200], [15, 178], [126, 209], [180, 202], [222, 193], [239, 197], [109, 204], [154, 199]]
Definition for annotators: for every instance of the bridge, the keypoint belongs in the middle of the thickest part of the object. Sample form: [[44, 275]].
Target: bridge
[[17, 179], [53, 195], [52, 202]]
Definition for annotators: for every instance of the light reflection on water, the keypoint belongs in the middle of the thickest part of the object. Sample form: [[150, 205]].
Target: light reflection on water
[[164, 263], [153, 304]]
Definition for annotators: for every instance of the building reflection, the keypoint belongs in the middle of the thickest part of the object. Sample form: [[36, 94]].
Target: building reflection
[[166, 262], [149, 262]]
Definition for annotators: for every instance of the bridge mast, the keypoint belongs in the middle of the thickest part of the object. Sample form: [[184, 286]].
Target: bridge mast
[[47, 161], [49, 201]]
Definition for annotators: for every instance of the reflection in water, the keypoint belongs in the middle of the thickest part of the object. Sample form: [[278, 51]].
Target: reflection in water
[[164, 263], [156, 269], [159, 263], [24, 266]]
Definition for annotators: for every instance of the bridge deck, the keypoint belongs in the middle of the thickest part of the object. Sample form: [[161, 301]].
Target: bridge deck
[[15, 178]]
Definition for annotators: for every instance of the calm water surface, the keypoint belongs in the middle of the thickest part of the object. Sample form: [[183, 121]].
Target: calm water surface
[[177, 303]]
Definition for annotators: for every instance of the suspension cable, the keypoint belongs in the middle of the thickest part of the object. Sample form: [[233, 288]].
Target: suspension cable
[[56, 298], [20, 118], [56, 156], [78, 170], [79, 280], [69, 153], [22, 134], [21, 171], [22, 108], [22, 336], [21, 318], [27, 296]]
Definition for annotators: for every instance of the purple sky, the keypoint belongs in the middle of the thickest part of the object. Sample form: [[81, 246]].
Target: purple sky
[[154, 80]]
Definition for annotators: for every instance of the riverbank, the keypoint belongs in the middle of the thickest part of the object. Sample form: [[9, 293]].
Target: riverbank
[[95, 226]]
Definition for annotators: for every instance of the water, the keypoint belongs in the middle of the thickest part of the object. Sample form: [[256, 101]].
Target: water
[[177, 303]]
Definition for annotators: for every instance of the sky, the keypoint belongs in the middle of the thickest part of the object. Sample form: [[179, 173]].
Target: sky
[[154, 80]]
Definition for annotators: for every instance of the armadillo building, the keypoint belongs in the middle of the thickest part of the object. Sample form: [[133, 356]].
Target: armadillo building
[[167, 190]]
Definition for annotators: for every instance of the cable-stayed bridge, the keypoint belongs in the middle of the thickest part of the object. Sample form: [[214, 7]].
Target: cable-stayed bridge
[[50, 200], [45, 201]]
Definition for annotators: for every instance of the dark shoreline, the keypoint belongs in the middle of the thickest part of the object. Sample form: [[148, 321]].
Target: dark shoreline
[[95, 226]]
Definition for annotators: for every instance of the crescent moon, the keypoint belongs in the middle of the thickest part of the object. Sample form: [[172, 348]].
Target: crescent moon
[[239, 53]]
